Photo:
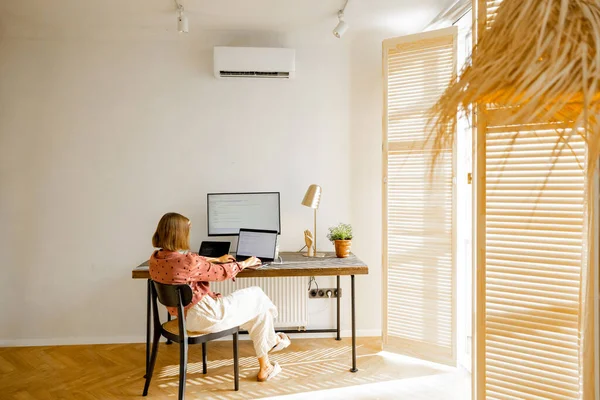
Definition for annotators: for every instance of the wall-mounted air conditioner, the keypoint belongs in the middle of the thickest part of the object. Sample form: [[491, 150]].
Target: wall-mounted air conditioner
[[254, 62]]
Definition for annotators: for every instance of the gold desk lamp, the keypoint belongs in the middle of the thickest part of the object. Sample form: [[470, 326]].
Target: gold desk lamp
[[312, 198]]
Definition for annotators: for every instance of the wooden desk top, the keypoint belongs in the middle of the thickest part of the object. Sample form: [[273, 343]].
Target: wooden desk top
[[294, 264]]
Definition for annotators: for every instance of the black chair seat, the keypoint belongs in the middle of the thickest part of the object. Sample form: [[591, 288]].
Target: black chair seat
[[171, 332]]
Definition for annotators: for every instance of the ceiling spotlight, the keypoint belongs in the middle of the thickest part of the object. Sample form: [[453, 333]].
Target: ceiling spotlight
[[342, 26], [182, 21], [340, 29]]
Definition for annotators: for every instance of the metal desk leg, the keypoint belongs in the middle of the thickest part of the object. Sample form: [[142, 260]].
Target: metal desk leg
[[168, 319], [148, 317], [353, 369], [338, 337]]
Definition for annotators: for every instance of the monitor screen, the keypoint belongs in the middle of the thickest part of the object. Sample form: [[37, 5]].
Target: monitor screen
[[230, 212]]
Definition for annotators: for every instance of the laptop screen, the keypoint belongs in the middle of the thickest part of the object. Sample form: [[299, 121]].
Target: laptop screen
[[257, 243], [214, 249]]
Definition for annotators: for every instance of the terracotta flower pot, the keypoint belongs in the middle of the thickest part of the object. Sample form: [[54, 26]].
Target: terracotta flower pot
[[342, 248]]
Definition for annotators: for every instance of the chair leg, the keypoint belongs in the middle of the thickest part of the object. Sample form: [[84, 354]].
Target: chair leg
[[168, 319], [204, 359], [183, 349], [150, 371], [236, 366]]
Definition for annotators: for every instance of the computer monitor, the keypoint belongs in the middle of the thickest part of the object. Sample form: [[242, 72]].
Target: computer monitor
[[227, 213]]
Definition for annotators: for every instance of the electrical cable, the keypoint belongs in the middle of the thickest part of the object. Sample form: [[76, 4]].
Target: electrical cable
[[312, 279], [345, 4]]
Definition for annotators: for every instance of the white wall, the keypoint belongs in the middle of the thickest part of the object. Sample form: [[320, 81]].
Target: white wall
[[98, 138]]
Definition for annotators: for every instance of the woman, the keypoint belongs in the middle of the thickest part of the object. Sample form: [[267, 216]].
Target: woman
[[210, 312]]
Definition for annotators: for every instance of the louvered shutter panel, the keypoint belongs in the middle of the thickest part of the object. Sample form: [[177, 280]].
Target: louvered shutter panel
[[534, 238], [491, 8], [531, 261], [418, 222]]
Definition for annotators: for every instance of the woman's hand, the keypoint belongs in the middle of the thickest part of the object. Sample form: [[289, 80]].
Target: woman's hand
[[250, 262], [227, 258]]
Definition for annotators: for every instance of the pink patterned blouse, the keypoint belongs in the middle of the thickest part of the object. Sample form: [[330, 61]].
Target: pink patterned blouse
[[175, 268]]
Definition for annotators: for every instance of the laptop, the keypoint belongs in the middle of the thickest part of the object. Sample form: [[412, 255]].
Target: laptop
[[256, 243], [214, 249]]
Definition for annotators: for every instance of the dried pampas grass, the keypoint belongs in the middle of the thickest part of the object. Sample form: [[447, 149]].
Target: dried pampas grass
[[540, 62]]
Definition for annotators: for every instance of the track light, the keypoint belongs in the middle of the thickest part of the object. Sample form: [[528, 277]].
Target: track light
[[182, 21], [340, 29], [342, 26]]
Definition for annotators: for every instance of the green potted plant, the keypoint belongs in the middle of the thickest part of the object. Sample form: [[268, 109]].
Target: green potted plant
[[341, 236]]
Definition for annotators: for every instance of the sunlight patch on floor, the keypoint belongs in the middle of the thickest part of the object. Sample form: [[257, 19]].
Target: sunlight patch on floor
[[313, 356], [446, 386], [435, 382]]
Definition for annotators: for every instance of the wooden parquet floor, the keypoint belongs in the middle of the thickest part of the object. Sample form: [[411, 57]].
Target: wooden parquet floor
[[116, 371]]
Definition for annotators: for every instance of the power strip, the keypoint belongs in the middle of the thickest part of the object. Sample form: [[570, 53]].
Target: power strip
[[325, 293]]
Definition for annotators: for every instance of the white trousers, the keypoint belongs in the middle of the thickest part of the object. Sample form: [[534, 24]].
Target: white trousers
[[250, 309]]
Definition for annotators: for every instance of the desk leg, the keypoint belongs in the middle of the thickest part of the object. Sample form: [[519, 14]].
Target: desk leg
[[168, 319], [148, 317], [353, 369], [338, 337]]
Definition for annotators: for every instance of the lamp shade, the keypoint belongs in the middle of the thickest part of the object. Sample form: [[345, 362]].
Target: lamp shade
[[312, 198]]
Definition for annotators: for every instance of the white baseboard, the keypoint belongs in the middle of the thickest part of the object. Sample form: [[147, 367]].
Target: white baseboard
[[66, 341]]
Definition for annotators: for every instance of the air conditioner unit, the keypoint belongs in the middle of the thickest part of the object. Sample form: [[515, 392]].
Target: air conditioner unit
[[254, 62]]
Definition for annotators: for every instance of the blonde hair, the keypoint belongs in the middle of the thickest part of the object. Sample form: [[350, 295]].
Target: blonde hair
[[172, 233]]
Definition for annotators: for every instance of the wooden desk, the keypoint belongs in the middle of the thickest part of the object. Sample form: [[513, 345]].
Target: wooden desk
[[294, 264]]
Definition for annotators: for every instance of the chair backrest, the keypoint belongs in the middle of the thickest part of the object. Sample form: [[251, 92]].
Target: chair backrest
[[171, 296], [168, 295]]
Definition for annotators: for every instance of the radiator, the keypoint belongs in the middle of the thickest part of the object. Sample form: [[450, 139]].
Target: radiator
[[289, 294]]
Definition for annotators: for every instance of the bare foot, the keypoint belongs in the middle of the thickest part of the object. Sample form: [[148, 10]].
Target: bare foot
[[269, 372], [264, 372]]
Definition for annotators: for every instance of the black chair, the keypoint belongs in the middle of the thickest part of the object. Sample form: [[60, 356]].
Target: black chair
[[180, 296]]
